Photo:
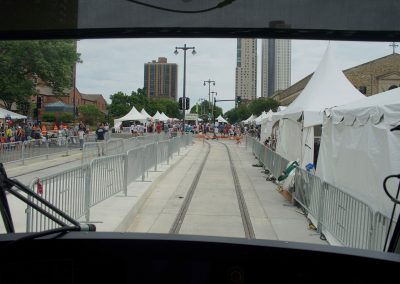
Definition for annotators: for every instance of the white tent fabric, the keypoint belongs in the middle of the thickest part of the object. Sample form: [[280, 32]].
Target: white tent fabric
[[157, 116], [5, 113], [266, 125], [358, 149], [328, 87], [220, 119], [133, 114], [250, 119], [145, 114], [163, 117]]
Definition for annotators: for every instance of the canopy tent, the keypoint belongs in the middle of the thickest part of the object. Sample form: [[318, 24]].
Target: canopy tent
[[59, 107], [328, 87], [220, 119], [132, 115], [163, 117], [145, 114], [250, 119], [7, 113], [157, 116], [266, 125], [359, 148], [263, 115]]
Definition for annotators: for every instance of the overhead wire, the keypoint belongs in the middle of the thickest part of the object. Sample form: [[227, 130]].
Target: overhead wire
[[219, 5]]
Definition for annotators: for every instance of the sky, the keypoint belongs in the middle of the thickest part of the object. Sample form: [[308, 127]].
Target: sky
[[113, 65]]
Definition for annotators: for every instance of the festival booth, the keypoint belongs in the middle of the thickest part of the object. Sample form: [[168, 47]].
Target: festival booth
[[132, 115], [145, 114], [163, 117], [250, 119], [360, 147], [266, 125], [220, 119], [4, 114], [157, 116], [300, 123]]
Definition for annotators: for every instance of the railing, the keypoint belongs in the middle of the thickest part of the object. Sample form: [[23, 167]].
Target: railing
[[76, 190], [348, 220]]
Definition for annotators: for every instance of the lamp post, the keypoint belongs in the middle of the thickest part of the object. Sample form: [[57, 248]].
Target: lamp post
[[213, 104], [209, 91], [184, 48], [35, 82]]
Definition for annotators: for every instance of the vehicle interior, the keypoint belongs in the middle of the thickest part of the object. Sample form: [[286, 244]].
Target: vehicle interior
[[78, 254]]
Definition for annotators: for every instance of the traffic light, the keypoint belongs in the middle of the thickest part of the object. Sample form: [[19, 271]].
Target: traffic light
[[238, 99], [180, 104], [187, 103], [39, 102]]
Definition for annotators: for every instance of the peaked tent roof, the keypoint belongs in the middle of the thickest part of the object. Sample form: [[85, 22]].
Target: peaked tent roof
[[328, 87], [133, 114], [145, 114], [250, 119], [4, 113], [221, 119], [157, 116], [163, 117]]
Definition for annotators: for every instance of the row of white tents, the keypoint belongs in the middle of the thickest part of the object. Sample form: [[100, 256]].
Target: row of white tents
[[142, 116], [358, 146]]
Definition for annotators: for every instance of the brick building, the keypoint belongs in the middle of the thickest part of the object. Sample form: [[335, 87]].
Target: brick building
[[370, 78], [47, 97]]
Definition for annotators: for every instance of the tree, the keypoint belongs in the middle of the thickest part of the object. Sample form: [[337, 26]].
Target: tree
[[120, 105], [90, 114], [256, 107], [52, 61]]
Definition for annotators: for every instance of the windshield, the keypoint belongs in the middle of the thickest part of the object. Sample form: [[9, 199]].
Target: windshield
[[273, 139]]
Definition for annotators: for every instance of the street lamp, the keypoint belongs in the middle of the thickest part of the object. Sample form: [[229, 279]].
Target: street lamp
[[184, 48], [35, 82], [213, 103], [209, 91]]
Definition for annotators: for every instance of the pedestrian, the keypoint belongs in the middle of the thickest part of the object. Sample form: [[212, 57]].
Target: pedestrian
[[100, 133]]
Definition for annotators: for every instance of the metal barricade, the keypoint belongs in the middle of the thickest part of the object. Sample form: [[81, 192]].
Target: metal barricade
[[66, 191], [380, 232], [114, 147], [162, 151], [107, 177], [90, 151], [10, 152], [136, 167]]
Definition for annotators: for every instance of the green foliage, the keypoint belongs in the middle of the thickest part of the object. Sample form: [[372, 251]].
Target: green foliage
[[255, 107], [66, 117], [49, 117], [90, 114], [51, 60], [122, 103]]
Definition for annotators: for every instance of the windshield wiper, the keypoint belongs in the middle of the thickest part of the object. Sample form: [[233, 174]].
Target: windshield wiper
[[59, 217]]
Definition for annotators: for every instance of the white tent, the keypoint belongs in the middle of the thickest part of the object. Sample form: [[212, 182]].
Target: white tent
[[157, 116], [7, 113], [359, 148], [266, 125], [220, 119], [145, 114], [250, 119], [163, 117], [328, 87], [133, 114], [262, 116]]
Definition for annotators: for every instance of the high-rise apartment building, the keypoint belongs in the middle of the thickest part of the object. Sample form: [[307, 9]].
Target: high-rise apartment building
[[275, 66], [246, 69], [161, 79]]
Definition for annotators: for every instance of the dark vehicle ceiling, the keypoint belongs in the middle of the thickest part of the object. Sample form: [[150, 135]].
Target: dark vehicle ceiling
[[366, 20]]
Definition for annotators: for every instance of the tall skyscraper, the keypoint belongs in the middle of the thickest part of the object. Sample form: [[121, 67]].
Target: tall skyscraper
[[161, 79], [246, 69], [275, 66]]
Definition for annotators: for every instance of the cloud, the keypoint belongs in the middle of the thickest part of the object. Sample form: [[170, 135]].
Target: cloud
[[112, 65]]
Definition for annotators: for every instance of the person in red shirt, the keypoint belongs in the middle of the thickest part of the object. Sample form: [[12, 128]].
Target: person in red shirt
[[158, 127]]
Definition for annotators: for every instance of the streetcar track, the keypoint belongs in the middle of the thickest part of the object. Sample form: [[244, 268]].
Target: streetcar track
[[244, 212], [176, 226], [245, 216]]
